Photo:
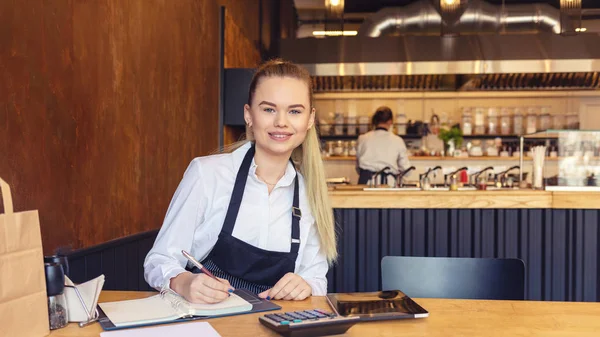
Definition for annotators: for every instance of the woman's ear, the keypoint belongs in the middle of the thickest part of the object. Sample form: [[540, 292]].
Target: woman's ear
[[311, 120], [247, 115]]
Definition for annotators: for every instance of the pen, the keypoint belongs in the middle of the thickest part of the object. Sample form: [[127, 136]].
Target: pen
[[199, 265]]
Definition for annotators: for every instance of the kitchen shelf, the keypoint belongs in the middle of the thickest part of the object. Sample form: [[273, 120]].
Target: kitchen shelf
[[513, 137], [434, 158], [380, 94]]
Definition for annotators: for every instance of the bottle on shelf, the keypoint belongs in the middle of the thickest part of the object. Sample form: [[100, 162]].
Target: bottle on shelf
[[532, 120], [545, 119], [505, 121], [518, 122], [467, 122], [493, 121]]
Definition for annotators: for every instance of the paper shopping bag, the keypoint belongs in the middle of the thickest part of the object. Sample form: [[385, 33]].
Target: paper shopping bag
[[23, 301]]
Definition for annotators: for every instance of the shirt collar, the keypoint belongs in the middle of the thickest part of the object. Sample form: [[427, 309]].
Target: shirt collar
[[240, 153]]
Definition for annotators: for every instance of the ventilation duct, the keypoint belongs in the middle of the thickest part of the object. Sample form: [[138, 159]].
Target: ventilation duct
[[478, 17]]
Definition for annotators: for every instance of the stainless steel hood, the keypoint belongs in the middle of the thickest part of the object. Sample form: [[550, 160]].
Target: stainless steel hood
[[427, 55], [485, 59], [569, 59]]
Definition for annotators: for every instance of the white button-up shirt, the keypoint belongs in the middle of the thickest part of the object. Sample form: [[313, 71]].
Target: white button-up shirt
[[195, 217], [377, 149]]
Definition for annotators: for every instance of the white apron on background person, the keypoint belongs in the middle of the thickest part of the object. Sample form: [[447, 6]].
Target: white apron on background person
[[378, 149]]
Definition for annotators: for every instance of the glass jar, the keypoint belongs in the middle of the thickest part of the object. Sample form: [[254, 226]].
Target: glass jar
[[467, 122], [505, 121], [573, 121], [352, 148], [493, 121], [532, 118], [329, 146], [479, 121], [545, 119], [324, 127], [338, 129], [351, 125], [518, 122], [338, 149], [558, 122]]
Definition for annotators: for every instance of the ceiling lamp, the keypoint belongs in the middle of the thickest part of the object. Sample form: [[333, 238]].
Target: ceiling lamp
[[450, 6], [335, 7], [568, 5]]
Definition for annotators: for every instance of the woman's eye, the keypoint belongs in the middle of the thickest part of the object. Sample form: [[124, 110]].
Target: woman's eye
[[269, 110], [295, 111]]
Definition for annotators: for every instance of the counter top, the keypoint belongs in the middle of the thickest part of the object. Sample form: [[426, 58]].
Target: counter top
[[437, 158], [352, 196]]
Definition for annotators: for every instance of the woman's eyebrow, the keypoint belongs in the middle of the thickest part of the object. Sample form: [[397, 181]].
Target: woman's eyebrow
[[268, 103], [275, 105]]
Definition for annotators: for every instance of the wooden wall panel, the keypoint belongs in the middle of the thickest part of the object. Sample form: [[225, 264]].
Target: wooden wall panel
[[102, 106], [241, 50]]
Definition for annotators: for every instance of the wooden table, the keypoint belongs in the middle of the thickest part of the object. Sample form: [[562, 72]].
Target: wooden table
[[447, 318]]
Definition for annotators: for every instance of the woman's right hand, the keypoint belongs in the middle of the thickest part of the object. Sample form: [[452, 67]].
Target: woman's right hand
[[201, 288]]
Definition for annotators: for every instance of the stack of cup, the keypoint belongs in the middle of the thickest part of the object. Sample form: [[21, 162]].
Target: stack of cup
[[539, 154]]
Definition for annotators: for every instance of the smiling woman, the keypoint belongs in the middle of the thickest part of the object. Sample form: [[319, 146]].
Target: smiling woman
[[276, 235]]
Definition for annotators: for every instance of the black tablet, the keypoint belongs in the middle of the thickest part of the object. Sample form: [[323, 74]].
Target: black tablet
[[374, 306]]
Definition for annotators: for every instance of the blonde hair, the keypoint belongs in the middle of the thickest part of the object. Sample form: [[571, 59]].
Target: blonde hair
[[306, 157]]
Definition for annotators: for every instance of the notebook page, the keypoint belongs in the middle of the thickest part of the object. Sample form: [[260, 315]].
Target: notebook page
[[233, 304], [203, 329], [142, 311]]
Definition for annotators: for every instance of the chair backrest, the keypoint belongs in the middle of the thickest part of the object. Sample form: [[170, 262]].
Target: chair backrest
[[449, 277]]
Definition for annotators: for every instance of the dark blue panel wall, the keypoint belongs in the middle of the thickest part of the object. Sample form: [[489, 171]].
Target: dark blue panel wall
[[121, 261], [559, 247]]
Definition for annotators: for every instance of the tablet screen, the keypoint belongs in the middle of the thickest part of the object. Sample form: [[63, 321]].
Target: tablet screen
[[391, 303]]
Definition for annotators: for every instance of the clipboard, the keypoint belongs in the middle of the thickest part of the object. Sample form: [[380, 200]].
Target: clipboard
[[258, 305]]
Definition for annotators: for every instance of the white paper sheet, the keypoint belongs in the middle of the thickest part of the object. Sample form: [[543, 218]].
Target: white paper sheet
[[203, 329]]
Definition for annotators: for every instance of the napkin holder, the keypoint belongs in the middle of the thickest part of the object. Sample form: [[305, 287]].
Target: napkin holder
[[82, 300]]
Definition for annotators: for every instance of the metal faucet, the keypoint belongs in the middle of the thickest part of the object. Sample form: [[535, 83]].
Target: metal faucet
[[464, 168], [502, 175], [400, 176], [426, 175], [377, 174], [476, 175]]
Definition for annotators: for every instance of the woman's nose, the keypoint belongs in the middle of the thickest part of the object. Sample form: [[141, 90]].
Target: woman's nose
[[281, 119]]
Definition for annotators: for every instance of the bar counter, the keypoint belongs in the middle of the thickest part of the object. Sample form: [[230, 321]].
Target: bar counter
[[555, 233], [353, 196]]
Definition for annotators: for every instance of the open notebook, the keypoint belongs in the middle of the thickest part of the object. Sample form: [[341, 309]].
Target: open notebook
[[169, 306]]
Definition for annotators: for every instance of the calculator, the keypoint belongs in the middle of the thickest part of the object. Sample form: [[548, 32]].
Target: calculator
[[315, 322]]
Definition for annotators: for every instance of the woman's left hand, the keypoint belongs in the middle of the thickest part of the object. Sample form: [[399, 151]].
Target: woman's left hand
[[290, 287]]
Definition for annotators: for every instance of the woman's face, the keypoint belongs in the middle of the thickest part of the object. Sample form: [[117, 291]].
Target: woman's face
[[280, 114]]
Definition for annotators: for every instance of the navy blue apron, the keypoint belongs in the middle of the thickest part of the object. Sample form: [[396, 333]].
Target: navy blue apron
[[242, 264]]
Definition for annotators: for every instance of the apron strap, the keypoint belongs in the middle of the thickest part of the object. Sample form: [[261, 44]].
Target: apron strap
[[238, 192], [296, 216]]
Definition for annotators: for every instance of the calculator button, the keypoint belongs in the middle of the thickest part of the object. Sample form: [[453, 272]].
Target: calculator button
[[274, 317], [293, 314], [304, 314], [297, 321], [284, 322], [286, 317]]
